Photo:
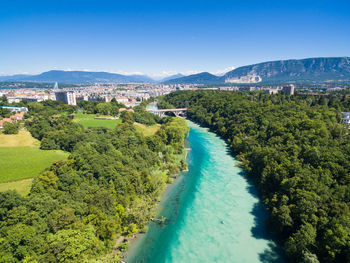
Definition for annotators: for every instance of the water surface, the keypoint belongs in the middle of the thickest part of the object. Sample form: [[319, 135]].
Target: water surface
[[213, 212]]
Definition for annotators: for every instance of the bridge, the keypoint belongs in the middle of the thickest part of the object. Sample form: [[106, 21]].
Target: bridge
[[160, 112]]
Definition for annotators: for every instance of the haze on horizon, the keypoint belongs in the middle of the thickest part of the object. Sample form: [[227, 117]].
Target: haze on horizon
[[160, 38]]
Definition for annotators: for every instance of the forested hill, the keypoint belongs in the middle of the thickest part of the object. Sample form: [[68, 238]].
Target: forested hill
[[200, 78], [290, 71], [309, 70], [108, 187], [298, 153], [77, 77]]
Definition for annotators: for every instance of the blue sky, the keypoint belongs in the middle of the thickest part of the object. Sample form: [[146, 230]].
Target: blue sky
[[163, 37]]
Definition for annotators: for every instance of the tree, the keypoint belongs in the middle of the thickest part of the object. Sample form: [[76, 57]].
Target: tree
[[76, 208], [309, 258], [297, 153], [127, 117], [10, 128], [69, 245], [48, 144], [18, 241], [5, 113], [104, 108], [3, 99]]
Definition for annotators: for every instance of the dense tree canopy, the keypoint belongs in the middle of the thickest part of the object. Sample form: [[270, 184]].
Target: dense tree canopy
[[4, 113], [108, 187], [99, 107], [10, 128], [298, 153]]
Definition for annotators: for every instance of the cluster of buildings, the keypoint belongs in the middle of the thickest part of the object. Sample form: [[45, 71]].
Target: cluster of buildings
[[18, 115], [286, 89], [128, 94], [311, 90], [346, 118], [133, 94], [17, 95]]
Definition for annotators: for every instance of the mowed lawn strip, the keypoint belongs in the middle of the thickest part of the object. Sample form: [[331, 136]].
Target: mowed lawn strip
[[22, 186], [23, 138], [147, 130], [18, 163], [88, 120]]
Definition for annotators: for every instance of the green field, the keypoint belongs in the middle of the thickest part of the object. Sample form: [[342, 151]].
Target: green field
[[147, 130], [18, 163], [23, 138], [21, 160], [22, 186], [88, 120]]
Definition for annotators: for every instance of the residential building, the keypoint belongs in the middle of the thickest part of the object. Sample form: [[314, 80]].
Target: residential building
[[68, 97], [289, 90], [13, 118], [272, 91], [346, 118], [17, 109]]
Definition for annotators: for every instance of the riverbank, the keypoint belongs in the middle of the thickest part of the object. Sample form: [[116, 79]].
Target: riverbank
[[213, 191], [134, 241]]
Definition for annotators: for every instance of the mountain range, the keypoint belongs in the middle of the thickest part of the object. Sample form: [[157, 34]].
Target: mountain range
[[310, 70], [79, 77]]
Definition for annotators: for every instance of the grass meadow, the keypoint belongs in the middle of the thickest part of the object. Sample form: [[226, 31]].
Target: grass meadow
[[18, 163], [147, 130], [23, 138], [88, 120], [21, 186], [21, 158]]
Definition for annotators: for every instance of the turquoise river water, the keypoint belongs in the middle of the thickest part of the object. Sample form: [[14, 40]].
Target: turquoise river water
[[213, 213]]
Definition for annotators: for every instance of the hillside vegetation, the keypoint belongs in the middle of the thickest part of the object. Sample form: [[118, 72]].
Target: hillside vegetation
[[309, 70], [23, 138], [21, 158], [109, 186], [298, 153], [89, 121], [297, 70], [18, 163]]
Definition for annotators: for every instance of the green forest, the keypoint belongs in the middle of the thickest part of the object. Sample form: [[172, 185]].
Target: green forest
[[108, 187], [297, 152]]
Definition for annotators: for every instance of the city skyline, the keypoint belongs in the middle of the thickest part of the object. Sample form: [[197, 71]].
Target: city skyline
[[159, 38]]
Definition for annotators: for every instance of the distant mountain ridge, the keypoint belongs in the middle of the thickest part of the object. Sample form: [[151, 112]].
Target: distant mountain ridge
[[176, 76], [17, 76], [293, 70], [335, 69], [79, 77], [200, 78], [309, 70]]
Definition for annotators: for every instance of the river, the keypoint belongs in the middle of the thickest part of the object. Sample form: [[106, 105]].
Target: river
[[213, 212]]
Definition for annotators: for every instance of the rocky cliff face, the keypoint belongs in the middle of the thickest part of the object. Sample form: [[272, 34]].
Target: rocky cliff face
[[252, 78], [310, 70]]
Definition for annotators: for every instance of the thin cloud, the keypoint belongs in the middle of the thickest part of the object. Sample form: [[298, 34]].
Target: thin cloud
[[191, 72], [223, 71], [163, 74], [155, 76]]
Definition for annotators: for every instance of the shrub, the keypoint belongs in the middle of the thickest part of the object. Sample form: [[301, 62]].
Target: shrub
[[10, 128]]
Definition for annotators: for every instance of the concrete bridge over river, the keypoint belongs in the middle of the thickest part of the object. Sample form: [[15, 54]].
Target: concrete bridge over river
[[161, 112]]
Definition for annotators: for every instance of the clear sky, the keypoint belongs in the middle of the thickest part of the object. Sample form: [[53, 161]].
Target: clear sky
[[161, 37]]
